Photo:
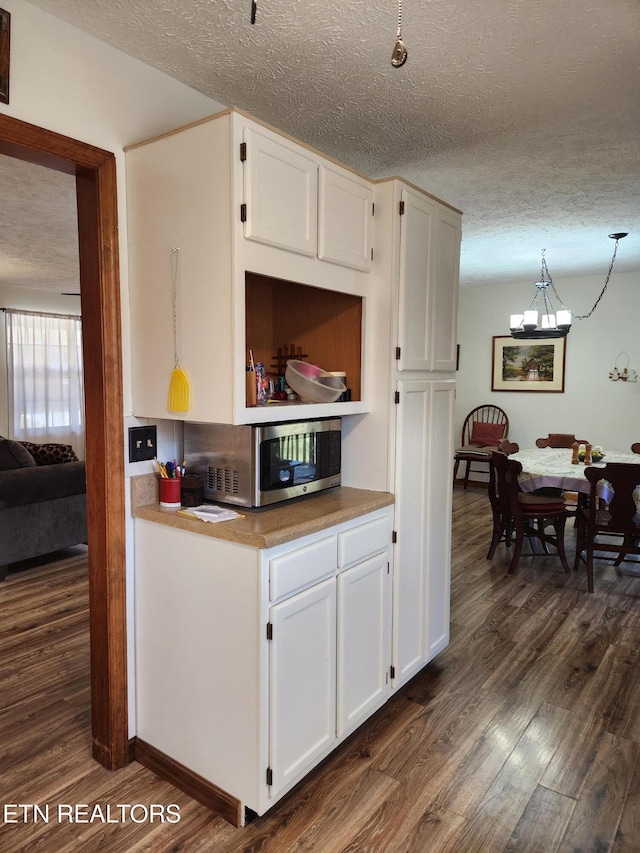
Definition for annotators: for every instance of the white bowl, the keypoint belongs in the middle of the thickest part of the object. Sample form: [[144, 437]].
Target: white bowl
[[313, 384]]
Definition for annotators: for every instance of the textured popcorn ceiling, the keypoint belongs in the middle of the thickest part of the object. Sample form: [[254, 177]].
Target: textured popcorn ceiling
[[524, 114]]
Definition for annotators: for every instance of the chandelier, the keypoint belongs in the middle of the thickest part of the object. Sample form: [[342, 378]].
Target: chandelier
[[541, 319]]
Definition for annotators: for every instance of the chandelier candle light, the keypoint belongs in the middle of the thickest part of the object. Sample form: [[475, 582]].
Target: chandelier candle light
[[541, 320]]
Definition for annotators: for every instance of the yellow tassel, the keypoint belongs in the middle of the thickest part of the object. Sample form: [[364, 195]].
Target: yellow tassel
[[179, 384], [178, 391]]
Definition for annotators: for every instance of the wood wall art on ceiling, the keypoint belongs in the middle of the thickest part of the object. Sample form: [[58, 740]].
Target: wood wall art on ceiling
[[5, 31]]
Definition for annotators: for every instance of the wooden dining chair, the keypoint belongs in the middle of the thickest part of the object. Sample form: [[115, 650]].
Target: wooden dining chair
[[563, 440], [618, 522], [500, 510], [483, 428], [508, 447], [559, 439], [519, 514]]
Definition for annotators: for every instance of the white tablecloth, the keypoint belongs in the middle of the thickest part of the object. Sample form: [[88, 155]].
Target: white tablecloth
[[549, 466]]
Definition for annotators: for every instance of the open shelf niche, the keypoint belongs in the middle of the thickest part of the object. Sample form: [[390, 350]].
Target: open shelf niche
[[323, 324]]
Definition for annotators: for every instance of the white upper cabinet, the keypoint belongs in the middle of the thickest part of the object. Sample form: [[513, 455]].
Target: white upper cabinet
[[240, 204], [417, 228], [281, 192], [345, 212], [428, 288], [295, 200], [444, 291]]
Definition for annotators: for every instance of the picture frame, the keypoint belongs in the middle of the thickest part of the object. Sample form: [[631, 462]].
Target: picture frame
[[5, 34], [534, 365]]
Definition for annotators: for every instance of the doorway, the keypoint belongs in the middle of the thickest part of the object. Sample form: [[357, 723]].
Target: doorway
[[95, 174]]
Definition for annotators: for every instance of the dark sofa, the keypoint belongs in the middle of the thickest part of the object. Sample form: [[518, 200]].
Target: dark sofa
[[43, 504]]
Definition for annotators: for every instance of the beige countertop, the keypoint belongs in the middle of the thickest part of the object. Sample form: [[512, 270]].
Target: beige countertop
[[263, 528]]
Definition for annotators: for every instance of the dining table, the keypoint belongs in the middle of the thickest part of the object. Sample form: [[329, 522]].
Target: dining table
[[552, 467]]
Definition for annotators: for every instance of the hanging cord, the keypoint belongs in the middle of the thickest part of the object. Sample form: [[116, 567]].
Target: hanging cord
[[399, 54], [175, 255], [595, 304]]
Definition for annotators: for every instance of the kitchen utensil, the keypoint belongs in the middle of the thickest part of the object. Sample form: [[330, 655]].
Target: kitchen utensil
[[312, 383]]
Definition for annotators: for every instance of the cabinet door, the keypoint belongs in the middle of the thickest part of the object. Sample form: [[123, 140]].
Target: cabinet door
[[302, 722], [438, 520], [280, 193], [364, 641], [417, 230], [411, 506], [345, 211], [422, 561], [443, 308]]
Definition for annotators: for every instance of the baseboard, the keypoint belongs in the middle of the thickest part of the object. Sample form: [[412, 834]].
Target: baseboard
[[191, 783]]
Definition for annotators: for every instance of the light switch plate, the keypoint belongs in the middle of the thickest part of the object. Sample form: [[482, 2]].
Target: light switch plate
[[143, 443]]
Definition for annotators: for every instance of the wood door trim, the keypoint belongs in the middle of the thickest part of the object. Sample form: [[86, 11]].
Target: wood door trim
[[95, 173]]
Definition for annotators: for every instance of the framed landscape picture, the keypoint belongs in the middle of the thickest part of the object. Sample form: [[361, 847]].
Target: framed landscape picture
[[521, 364]]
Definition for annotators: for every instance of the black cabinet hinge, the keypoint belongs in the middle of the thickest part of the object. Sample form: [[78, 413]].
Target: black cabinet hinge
[[372, 253], [394, 536], [392, 671], [401, 208], [388, 567], [396, 397], [243, 151], [269, 631], [243, 213], [398, 353], [373, 208], [269, 776]]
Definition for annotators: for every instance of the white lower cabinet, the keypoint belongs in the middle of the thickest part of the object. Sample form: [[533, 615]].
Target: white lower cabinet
[[252, 665], [302, 712], [364, 640], [329, 646], [422, 576]]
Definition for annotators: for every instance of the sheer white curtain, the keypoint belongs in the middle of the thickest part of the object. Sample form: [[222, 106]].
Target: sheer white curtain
[[45, 378]]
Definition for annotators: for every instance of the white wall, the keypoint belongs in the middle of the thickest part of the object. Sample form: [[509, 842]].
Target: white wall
[[592, 406], [68, 82]]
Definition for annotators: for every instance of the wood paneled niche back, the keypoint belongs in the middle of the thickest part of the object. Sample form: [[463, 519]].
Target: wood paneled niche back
[[325, 324]]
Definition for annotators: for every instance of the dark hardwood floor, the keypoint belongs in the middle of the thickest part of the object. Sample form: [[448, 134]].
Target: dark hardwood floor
[[524, 734]]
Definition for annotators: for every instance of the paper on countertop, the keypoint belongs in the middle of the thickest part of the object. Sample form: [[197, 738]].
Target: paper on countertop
[[210, 512]]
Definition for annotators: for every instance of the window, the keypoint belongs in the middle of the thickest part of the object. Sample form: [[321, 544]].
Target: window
[[45, 378]]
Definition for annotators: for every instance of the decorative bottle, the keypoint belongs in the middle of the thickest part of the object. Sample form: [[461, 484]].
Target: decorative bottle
[[261, 391]]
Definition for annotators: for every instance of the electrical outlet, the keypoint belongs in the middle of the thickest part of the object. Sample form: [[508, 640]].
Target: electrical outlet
[[143, 443]]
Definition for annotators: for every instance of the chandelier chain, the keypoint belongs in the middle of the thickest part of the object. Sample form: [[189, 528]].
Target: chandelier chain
[[602, 292]]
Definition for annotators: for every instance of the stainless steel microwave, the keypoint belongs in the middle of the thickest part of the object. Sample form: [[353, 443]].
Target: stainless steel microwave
[[261, 464]]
